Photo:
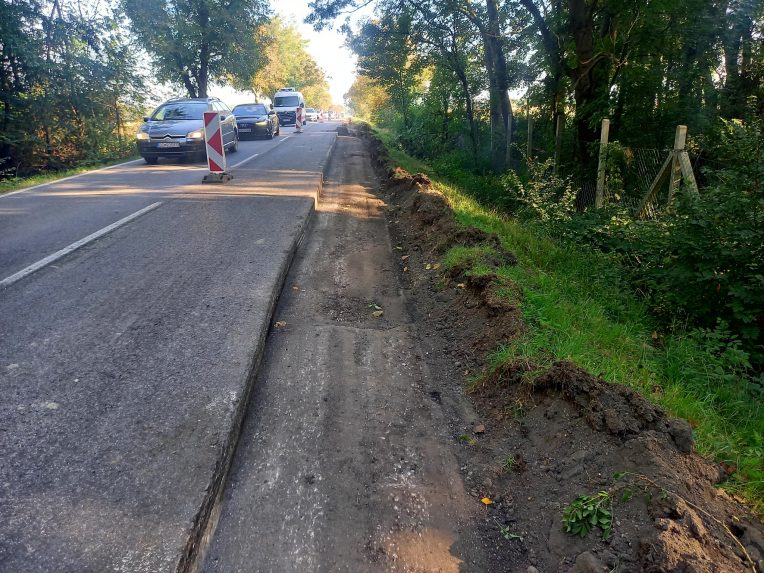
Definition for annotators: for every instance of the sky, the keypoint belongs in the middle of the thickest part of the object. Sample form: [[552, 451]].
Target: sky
[[326, 47]]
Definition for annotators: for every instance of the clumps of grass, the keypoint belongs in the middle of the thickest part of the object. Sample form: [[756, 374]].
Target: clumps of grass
[[587, 512], [508, 464]]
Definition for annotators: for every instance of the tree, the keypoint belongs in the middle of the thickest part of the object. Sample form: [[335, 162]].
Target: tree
[[367, 98], [289, 64], [196, 41], [387, 54], [68, 84]]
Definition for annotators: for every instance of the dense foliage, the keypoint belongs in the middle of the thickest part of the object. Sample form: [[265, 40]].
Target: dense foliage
[[69, 86], [645, 66]]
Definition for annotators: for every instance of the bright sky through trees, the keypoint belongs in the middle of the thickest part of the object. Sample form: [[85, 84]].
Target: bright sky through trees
[[326, 47]]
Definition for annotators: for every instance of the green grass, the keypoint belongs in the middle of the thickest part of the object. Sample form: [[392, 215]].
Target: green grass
[[16, 183], [578, 308]]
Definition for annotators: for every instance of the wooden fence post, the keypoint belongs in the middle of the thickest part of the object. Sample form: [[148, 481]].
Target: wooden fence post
[[599, 197], [680, 139], [558, 141], [676, 166]]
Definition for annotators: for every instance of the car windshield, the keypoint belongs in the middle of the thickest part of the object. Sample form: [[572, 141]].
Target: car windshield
[[250, 109], [184, 110], [286, 101]]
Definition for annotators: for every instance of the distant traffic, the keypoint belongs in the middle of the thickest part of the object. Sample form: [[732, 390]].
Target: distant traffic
[[176, 128]]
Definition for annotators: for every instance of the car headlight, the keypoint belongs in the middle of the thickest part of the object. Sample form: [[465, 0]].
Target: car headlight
[[142, 136], [261, 121], [198, 134]]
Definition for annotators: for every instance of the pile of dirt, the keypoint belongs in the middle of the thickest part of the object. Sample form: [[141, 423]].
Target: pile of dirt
[[544, 438]]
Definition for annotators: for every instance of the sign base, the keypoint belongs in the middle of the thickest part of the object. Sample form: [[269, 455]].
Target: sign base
[[217, 178]]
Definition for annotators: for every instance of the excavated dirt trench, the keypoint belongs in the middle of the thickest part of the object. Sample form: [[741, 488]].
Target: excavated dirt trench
[[567, 434]]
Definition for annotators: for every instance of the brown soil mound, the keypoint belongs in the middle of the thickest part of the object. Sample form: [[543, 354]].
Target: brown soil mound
[[546, 439]]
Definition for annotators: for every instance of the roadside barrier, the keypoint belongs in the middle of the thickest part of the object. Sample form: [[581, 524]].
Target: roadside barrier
[[213, 139], [298, 120]]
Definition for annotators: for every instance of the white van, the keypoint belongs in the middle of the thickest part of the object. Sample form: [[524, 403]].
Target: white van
[[285, 102]]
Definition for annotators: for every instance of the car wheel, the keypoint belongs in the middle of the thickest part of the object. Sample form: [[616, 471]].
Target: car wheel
[[151, 160]]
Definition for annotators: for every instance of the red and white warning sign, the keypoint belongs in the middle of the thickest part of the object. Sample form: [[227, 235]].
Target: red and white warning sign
[[214, 140]]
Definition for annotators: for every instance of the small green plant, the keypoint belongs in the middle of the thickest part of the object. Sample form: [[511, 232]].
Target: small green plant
[[509, 463], [467, 439], [587, 512], [506, 532]]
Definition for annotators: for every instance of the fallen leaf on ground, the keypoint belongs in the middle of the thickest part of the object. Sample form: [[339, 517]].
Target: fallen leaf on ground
[[487, 501], [404, 257], [405, 269], [377, 313], [479, 429], [428, 266], [461, 285], [295, 288], [280, 323], [436, 266]]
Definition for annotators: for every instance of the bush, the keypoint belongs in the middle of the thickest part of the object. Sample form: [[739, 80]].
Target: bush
[[698, 264]]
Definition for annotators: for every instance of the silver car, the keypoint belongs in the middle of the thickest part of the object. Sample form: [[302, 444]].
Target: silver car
[[176, 129]]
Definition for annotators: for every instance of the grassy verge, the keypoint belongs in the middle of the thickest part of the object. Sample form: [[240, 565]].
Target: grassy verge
[[578, 308], [16, 183]]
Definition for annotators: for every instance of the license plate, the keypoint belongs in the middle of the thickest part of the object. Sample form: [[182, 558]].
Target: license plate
[[244, 130], [165, 144]]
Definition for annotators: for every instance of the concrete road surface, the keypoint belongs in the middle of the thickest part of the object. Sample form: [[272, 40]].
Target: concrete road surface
[[125, 365], [345, 463]]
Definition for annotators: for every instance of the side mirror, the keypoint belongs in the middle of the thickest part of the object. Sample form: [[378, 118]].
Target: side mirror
[[271, 106], [146, 118], [223, 117]]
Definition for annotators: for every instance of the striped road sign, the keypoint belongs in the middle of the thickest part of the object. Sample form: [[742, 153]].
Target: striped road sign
[[214, 139]]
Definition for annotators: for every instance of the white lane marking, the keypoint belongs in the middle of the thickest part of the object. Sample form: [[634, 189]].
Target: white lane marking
[[70, 177], [251, 157], [242, 162], [74, 246]]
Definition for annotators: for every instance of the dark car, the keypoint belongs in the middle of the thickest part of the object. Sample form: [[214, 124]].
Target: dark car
[[256, 119], [176, 129]]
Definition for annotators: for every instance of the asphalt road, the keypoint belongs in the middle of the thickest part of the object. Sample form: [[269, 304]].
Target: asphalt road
[[125, 365]]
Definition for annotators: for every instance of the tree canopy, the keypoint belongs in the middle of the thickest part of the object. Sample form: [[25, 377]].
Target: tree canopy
[[644, 65], [289, 64], [195, 41]]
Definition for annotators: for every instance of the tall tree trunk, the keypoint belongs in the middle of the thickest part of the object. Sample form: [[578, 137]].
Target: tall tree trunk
[[736, 62], [204, 51], [496, 65], [469, 110], [590, 76]]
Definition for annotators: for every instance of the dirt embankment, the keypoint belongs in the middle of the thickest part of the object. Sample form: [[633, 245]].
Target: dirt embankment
[[546, 439]]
